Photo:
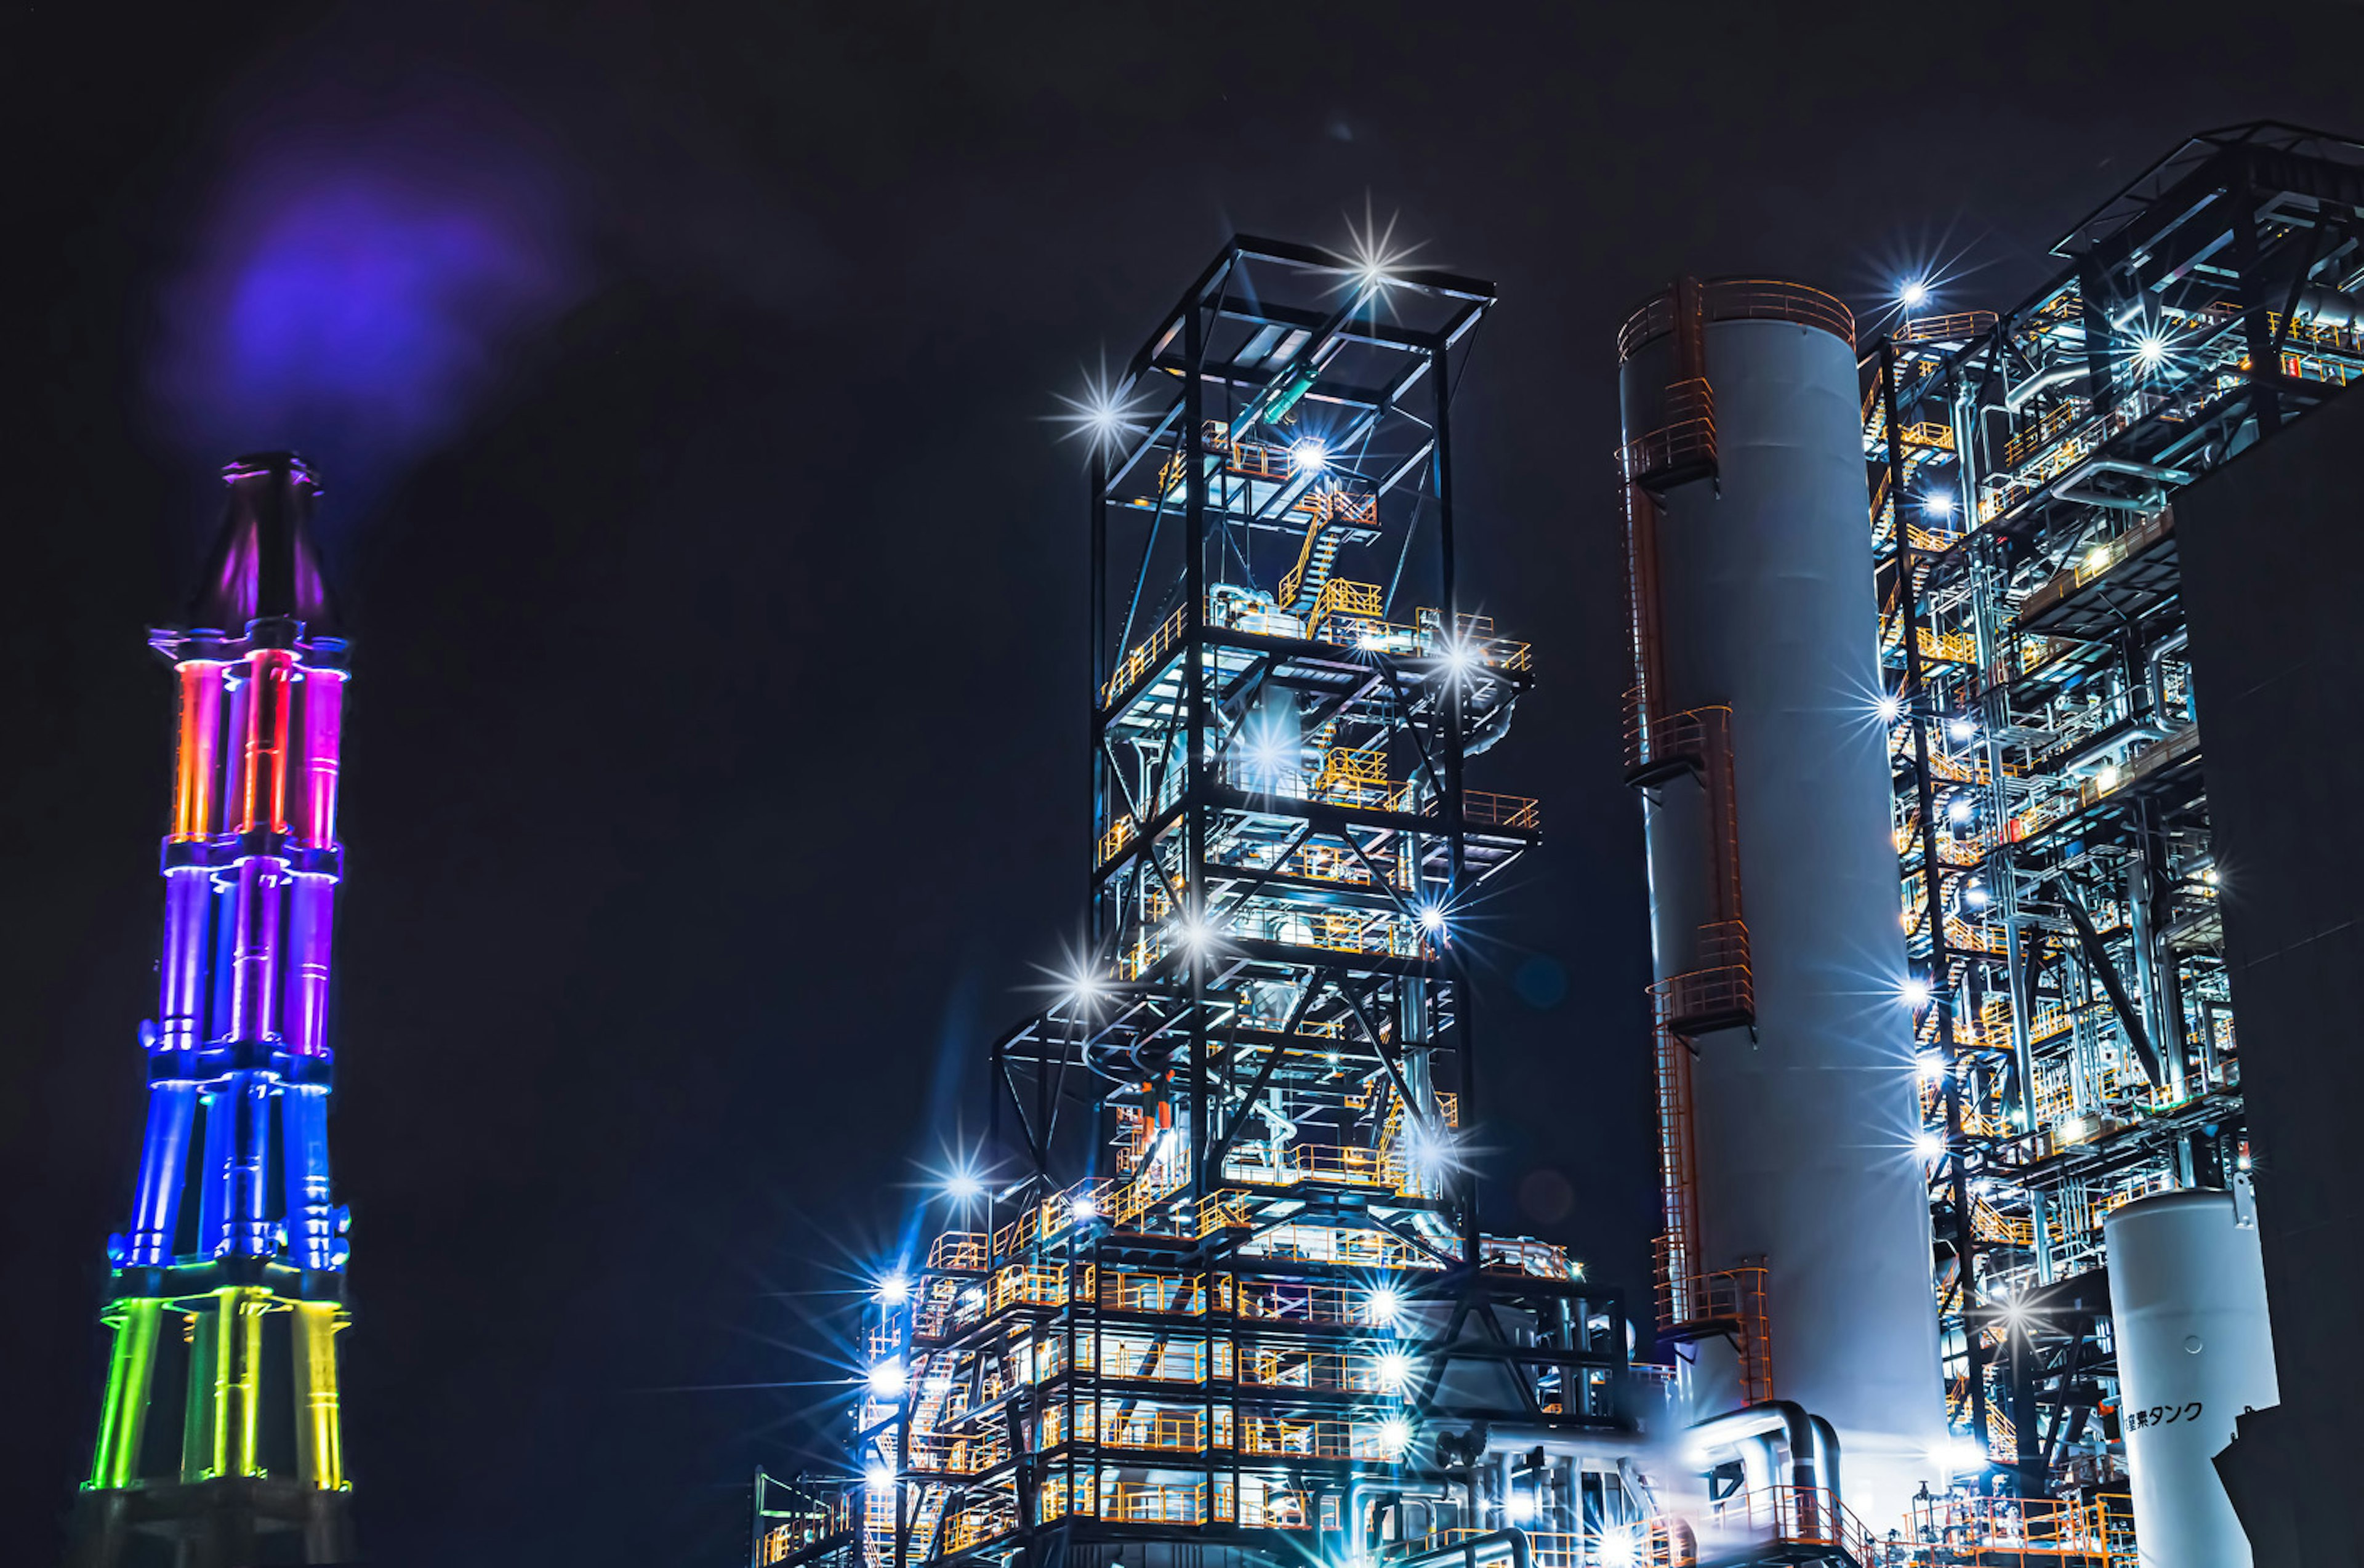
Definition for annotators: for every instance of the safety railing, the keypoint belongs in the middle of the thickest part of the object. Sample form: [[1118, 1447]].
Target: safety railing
[[1335, 1165], [1953, 326], [1739, 299], [1721, 987], [1683, 446], [1788, 1517], [1734, 1296], [1988, 1223], [1144, 655], [1947, 647], [1362, 601], [958, 1251], [1653, 1543], [1360, 1248], [2099, 561], [2034, 1532], [973, 1528], [1484, 808], [1353, 776], [1112, 842], [1523, 1255], [2048, 425], [1673, 736]]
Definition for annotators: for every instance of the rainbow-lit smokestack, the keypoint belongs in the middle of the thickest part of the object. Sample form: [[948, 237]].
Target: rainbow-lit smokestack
[[236, 1245]]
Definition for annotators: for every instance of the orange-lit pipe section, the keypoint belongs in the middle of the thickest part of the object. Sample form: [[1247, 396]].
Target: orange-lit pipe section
[[193, 795]]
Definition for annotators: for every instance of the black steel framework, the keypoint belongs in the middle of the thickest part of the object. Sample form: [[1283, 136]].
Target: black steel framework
[[2060, 886], [1230, 1289]]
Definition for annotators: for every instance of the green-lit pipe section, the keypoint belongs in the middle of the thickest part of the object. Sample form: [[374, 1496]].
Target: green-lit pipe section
[[204, 1425], [125, 1420], [245, 1309]]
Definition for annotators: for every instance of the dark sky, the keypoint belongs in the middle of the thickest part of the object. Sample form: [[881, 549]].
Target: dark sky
[[715, 758]]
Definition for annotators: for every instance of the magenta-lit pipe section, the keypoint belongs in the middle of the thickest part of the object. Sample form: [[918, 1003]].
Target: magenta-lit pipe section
[[311, 897], [311, 918]]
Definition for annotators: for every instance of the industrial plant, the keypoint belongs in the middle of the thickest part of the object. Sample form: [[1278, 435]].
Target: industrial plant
[[1986, 1142], [1961, 1261]]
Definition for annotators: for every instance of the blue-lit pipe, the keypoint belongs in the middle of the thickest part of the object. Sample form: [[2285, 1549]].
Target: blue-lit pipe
[[311, 1223], [247, 1177], [163, 1161], [213, 1180]]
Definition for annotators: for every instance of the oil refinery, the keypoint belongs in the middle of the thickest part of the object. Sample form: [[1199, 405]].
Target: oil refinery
[[1991, 1016], [1962, 1261]]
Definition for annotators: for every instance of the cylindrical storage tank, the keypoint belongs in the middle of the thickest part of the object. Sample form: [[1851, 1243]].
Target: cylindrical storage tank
[[2188, 1309], [1760, 600]]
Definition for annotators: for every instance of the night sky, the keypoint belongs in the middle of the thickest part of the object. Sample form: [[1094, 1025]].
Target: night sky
[[715, 762]]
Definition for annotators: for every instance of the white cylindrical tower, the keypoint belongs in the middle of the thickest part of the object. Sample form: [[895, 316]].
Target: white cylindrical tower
[[1779, 956], [2188, 1309]]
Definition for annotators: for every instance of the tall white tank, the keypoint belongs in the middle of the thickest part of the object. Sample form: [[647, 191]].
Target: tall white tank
[[1805, 1131], [2188, 1310]]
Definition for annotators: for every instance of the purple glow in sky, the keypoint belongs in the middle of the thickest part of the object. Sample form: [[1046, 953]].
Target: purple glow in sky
[[354, 295]]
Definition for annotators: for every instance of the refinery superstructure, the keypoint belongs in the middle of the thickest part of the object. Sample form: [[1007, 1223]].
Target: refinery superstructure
[[1234, 1301], [2059, 998], [1961, 1263], [2076, 1022]]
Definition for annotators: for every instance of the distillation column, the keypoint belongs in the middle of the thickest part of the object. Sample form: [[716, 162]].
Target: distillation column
[[1797, 1205], [227, 1295]]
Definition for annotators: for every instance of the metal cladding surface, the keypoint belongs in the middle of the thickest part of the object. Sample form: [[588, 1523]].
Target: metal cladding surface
[[2196, 1350], [1805, 1125]]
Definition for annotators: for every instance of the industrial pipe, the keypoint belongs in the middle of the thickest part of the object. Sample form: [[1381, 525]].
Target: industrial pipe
[[1813, 1443], [2155, 673], [1477, 1554], [2017, 397], [2328, 307], [164, 1163], [2067, 487]]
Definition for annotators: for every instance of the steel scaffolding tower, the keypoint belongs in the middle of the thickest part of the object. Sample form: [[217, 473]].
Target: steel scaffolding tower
[[2051, 809], [242, 1276], [1231, 1301]]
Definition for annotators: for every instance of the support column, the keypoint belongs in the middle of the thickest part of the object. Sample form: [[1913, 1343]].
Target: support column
[[319, 1444], [124, 1422], [205, 1426]]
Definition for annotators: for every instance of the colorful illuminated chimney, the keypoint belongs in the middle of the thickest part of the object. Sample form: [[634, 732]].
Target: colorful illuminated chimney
[[228, 1291]]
